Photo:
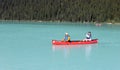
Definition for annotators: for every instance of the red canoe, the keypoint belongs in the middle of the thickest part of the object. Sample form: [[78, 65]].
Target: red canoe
[[74, 42]]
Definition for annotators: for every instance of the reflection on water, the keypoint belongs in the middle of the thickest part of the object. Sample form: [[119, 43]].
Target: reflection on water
[[66, 49]]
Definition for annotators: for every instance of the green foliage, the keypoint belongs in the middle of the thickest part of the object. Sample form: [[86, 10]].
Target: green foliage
[[61, 10]]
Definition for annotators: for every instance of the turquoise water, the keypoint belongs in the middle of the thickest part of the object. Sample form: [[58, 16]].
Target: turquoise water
[[27, 46]]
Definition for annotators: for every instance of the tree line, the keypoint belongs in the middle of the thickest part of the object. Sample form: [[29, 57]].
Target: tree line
[[61, 10]]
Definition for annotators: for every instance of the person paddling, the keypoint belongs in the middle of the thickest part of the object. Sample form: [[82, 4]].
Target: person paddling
[[88, 36], [67, 37]]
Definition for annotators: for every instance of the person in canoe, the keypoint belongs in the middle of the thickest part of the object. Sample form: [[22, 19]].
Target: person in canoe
[[67, 37], [88, 37]]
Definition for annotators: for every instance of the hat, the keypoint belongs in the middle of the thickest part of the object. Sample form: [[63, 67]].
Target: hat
[[89, 32], [66, 33]]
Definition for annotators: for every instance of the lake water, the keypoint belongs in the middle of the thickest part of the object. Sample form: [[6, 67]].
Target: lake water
[[27, 46]]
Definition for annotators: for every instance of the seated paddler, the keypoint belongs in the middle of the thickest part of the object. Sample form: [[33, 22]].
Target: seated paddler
[[88, 37], [67, 37]]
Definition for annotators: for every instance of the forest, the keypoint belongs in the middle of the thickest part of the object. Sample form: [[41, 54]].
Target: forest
[[61, 10]]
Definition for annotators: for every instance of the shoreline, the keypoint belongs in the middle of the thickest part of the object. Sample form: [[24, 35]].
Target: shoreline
[[78, 22]]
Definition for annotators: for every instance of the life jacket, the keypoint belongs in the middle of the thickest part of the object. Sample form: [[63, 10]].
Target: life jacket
[[67, 38], [88, 36]]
